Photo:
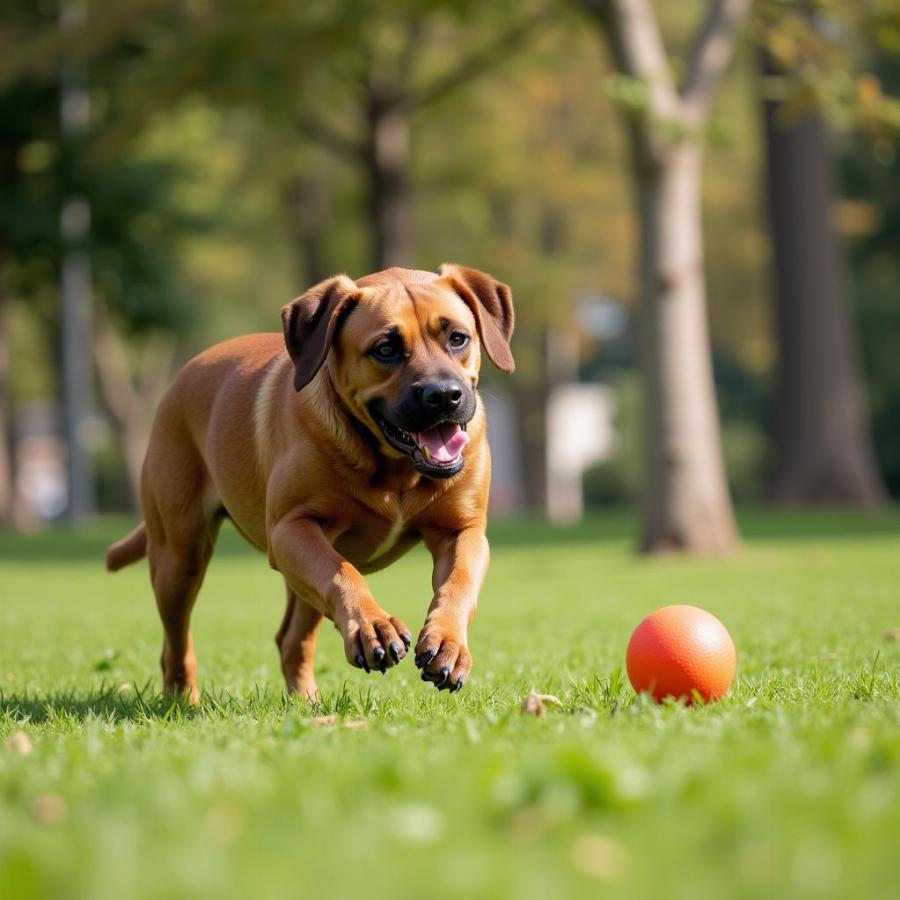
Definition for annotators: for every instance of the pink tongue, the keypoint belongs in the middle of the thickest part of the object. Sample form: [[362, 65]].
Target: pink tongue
[[444, 443]]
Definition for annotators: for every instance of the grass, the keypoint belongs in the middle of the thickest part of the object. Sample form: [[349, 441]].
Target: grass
[[789, 787]]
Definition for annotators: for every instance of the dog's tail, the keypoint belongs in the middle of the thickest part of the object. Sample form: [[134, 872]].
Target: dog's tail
[[128, 550]]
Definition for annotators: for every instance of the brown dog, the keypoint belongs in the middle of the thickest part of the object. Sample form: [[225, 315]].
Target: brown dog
[[334, 458]]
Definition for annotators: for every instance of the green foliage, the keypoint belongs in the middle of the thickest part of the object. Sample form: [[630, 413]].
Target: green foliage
[[790, 787], [136, 227]]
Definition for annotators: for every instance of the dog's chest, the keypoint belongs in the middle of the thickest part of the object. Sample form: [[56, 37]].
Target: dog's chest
[[389, 541], [384, 535]]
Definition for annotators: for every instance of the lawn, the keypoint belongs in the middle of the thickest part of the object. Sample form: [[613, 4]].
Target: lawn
[[789, 787]]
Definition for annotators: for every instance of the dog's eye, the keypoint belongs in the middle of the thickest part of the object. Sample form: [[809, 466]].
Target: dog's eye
[[387, 351], [458, 340]]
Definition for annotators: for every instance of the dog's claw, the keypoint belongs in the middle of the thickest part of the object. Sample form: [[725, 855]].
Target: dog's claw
[[361, 663], [445, 671], [424, 658], [395, 651], [407, 640]]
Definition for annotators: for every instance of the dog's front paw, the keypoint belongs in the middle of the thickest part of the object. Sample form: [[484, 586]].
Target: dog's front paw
[[376, 641], [443, 657]]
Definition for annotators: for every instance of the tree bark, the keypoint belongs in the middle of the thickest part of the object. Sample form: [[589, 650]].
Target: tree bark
[[7, 479], [822, 443], [388, 159], [686, 505]]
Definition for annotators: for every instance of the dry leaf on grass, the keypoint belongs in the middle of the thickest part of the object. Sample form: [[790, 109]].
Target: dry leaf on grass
[[18, 742], [536, 704], [892, 634], [48, 809]]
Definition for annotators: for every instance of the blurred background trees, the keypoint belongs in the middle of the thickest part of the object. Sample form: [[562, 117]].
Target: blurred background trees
[[686, 503], [238, 152]]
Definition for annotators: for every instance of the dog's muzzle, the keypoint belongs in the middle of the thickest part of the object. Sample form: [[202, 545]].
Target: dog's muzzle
[[436, 451]]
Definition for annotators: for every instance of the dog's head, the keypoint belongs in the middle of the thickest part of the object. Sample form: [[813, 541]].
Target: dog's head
[[403, 349]]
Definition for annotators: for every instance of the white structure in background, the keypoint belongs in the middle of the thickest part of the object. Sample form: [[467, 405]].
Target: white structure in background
[[40, 455], [580, 434], [503, 437]]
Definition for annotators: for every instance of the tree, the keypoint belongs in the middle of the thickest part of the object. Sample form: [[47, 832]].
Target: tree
[[823, 450], [349, 77], [7, 477], [871, 183], [687, 507], [131, 245]]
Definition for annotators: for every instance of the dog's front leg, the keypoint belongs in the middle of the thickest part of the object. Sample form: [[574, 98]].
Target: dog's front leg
[[300, 550], [460, 564]]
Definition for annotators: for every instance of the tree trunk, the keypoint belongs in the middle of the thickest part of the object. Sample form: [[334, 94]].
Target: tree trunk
[[308, 210], [131, 402], [388, 162], [75, 294], [531, 406], [823, 448], [687, 505], [7, 480]]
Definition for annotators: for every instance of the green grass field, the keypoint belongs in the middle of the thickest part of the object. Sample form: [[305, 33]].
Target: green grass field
[[789, 787]]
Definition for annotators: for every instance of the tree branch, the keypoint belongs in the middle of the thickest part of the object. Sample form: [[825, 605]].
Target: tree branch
[[113, 372], [479, 61], [322, 132], [638, 50], [710, 56]]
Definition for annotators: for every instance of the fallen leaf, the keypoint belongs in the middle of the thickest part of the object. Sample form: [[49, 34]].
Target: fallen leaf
[[355, 724], [324, 721], [48, 809], [123, 688], [18, 742], [892, 634], [532, 705], [536, 704]]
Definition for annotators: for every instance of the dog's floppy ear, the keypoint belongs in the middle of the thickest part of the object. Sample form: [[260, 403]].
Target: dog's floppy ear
[[491, 304], [309, 323]]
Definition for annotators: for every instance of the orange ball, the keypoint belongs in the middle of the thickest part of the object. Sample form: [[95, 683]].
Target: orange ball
[[678, 650]]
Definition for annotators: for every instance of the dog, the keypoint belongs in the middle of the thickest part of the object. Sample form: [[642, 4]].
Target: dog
[[334, 449]]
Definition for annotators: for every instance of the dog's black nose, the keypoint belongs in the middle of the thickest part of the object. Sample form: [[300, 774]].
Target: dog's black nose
[[442, 396]]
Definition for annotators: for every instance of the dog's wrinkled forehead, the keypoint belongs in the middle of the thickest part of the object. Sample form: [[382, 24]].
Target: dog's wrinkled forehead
[[396, 277], [408, 299]]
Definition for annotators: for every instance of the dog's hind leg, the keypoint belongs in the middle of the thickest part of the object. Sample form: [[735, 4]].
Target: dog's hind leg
[[177, 572], [181, 535], [296, 640]]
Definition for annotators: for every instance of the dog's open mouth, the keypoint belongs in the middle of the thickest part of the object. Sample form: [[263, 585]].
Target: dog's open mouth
[[437, 452]]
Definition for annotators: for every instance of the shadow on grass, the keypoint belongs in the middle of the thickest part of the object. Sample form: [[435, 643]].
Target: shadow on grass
[[107, 704], [145, 704]]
